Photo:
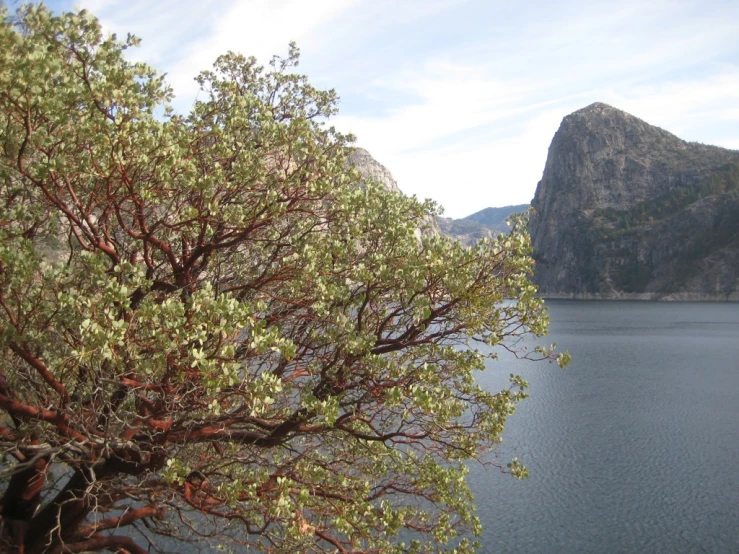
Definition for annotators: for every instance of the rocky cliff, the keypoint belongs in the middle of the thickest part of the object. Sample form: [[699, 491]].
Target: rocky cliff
[[627, 210], [370, 168]]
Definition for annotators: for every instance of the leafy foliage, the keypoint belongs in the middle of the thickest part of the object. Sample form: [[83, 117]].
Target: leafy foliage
[[210, 332]]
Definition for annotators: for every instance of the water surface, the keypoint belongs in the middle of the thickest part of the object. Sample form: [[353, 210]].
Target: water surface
[[635, 446]]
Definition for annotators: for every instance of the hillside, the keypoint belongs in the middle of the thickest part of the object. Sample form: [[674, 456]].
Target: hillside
[[483, 224], [496, 219], [625, 209]]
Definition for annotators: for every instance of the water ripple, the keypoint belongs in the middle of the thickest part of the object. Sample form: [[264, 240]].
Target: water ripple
[[634, 447]]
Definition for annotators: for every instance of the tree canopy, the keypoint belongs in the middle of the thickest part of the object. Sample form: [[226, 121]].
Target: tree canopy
[[210, 331]]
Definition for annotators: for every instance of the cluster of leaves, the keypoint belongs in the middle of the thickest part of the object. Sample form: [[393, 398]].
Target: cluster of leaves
[[210, 332]]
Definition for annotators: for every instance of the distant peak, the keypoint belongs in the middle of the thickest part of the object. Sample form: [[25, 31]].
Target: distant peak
[[357, 152], [598, 108], [598, 116]]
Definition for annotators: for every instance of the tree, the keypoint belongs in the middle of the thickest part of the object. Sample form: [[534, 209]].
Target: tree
[[209, 331]]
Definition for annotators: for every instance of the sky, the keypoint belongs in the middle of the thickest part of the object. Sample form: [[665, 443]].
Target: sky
[[459, 99]]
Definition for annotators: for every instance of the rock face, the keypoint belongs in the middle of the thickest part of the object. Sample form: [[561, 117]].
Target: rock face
[[370, 168], [627, 210]]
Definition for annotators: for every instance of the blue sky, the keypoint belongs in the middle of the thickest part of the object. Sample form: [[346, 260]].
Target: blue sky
[[459, 99]]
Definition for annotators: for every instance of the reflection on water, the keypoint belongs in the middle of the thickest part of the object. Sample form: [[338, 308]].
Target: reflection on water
[[635, 446]]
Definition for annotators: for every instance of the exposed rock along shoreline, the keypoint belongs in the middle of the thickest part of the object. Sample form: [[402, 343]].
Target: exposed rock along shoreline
[[642, 297]]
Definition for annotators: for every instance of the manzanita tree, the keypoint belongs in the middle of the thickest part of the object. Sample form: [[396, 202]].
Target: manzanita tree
[[210, 332]]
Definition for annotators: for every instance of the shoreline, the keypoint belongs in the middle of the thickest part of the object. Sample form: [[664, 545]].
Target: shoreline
[[643, 296]]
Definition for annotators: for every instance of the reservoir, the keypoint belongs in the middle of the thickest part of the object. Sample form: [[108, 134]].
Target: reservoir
[[634, 447]]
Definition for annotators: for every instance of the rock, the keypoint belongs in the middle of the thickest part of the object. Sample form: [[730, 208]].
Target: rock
[[627, 210], [372, 169]]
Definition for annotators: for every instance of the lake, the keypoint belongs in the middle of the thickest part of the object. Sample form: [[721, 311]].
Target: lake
[[634, 447]]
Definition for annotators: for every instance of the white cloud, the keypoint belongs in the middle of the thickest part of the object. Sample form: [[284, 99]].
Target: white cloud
[[460, 98], [183, 38], [260, 28], [473, 143], [682, 107], [469, 175], [480, 119]]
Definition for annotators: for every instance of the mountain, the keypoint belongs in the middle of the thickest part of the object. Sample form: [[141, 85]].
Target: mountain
[[495, 218], [483, 224], [625, 209]]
